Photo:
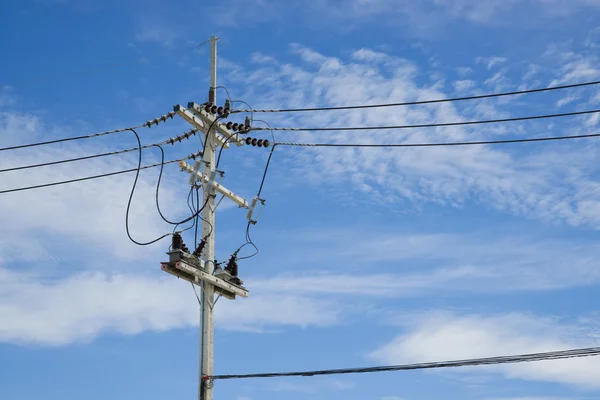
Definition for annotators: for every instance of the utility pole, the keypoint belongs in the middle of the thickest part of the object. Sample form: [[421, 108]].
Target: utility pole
[[207, 313], [199, 268]]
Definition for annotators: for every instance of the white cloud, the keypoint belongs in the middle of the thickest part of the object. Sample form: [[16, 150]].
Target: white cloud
[[463, 85], [422, 19], [444, 336], [490, 62], [83, 306], [152, 31]]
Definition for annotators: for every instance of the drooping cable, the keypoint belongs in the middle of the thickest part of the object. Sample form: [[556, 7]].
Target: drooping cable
[[190, 205], [441, 144], [553, 355], [433, 125], [420, 102], [157, 198], [137, 174]]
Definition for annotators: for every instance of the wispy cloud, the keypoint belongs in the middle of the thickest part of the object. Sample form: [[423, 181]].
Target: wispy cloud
[[540, 185], [445, 336]]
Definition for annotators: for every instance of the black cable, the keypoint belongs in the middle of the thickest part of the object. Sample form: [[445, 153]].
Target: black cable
[[481, 142], [208, 132], [23, 146], [84, 179], [137, 174], [555, 355], [433, 125], [262, 182], [170, 141], [249, 240], [73, 159], [192, 210], [158, 204], [412, 103], [196, 220]]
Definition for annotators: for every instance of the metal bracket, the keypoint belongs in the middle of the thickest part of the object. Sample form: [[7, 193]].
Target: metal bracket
[[198, 123], [233, 137], [195, 275], [240, 201]]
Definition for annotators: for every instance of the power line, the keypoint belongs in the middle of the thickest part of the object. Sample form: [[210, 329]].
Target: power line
[[92, 177], [554, 355], [411, 103], [98, 69], [23, 146], [148, 124], [433, 125], [441, 144], [170, 141]]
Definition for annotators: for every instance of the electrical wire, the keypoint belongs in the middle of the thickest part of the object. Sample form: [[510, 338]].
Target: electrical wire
[[23, 146], [249, 240], [91, 177], [440, 144], [192, 210], [419, 102], [72, 159], [262, 182], [157, 197], [433, 125], [171, 141], [137, 174], [554, 355], [196, 220]]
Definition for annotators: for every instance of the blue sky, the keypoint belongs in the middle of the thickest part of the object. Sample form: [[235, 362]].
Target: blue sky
[[367, 256]]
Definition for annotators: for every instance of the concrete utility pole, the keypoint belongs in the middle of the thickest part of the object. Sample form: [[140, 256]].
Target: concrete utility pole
[[207, 328], [199, 269]]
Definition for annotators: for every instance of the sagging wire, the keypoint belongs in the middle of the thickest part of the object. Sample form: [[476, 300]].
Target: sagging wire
[[158, 205], [137, 174]]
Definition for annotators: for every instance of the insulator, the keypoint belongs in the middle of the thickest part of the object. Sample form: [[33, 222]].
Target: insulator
[[213, 110], [156, 121], [259, 142], [171, 114], [148, 124], [235, 126], [232, 266], [171, 141], [207, 107], [248, 141], [220, 110], [254, 142], [163, 118], [200, 248], [266, 143], [176, 241], [229, 125]]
